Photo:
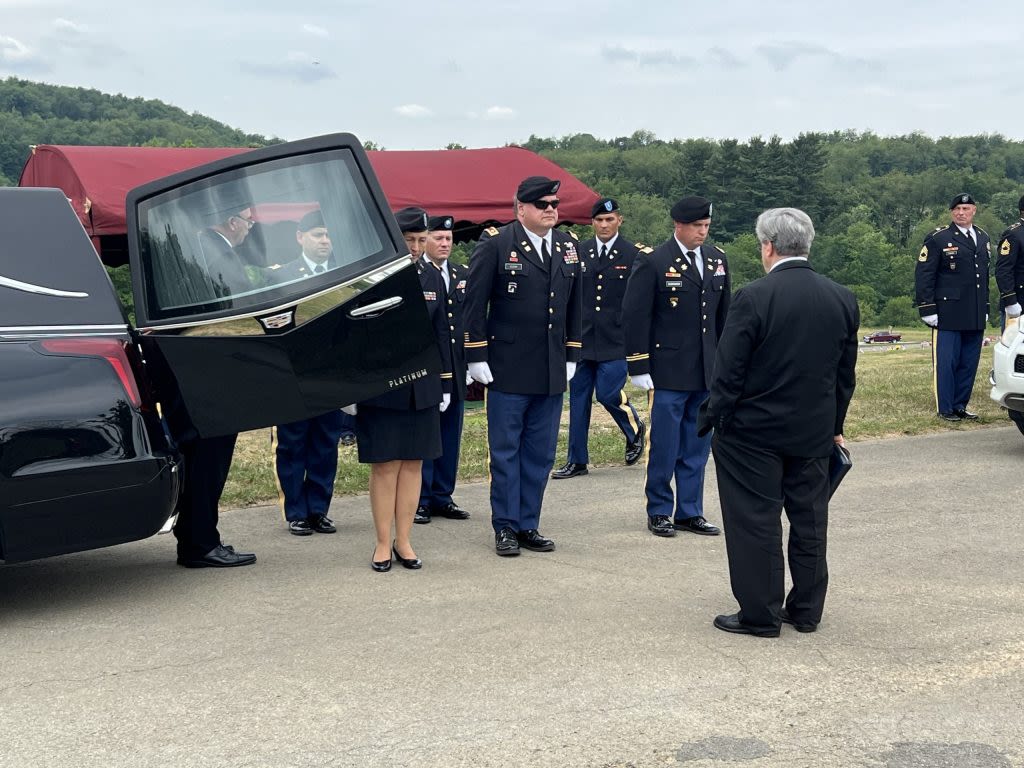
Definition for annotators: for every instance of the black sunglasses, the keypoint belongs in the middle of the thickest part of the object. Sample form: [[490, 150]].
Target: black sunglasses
[[543, 205]]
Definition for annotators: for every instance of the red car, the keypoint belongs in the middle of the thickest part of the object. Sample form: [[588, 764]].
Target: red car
[[879, 336]]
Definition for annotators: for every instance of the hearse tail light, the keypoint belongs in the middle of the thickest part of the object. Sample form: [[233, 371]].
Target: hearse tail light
[[111, 350]]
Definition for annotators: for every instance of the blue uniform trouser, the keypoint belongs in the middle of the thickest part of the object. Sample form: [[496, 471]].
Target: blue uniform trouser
[[676, 452], [955, 357], [307, 461], [608, 378], [439, 475], [522, 434]]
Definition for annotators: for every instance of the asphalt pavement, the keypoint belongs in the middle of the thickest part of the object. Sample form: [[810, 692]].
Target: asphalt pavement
[[601, 653]]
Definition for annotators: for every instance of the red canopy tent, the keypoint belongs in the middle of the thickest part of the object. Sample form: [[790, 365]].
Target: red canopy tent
[[475, 186]]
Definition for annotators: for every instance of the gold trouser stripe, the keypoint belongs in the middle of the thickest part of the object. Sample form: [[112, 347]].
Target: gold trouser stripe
[[935, 366], [650, 433], [487, 445], [277, 480], [624, 406]]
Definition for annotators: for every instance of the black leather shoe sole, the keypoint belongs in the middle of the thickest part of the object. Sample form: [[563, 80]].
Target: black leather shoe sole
[[560, 475], [785, 618], [300, 531], [203, 562], [507, 552], [714, 531], [949, 417], [453, 514], [666, 532], [550, 547], [728, 624], [321, 527]]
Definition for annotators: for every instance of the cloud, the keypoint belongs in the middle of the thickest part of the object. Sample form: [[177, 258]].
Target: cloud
[[499, 113], [66, 36], [720, 58], [782, 55], [315, 31], [15, 56], [655, 59], [297, 65], [412, 110]]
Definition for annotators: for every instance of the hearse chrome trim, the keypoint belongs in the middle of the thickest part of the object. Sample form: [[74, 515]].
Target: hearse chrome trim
[[64, 330], [18, 285], [377, 308], [348, 291]]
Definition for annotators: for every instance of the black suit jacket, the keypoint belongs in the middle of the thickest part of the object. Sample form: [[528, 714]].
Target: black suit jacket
[[951, 279], [784, 372], [604, 286], [673, 316], [522, 313], [223, 264]]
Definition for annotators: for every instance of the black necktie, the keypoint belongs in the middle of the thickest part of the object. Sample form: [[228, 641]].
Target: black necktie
[[691, 256], [545, 254], [970, 236], [604, 251]]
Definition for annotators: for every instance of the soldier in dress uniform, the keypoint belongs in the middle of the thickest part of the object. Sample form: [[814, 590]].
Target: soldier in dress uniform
[[1010, 267], [674, 310], [306, 451], [439, 475], [523, 339], [951, 287], [607, 259], [415, 239]]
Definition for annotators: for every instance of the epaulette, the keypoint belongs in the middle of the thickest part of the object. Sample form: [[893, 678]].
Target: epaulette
[[718, 249], [643, 248], [491, 231], [1015, 225], [980, 230]]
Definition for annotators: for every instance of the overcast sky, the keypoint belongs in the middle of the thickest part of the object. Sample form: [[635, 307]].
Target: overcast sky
[[420, 75]]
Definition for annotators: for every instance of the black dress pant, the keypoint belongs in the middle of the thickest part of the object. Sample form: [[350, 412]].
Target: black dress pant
[[754, 485], [207, 462]]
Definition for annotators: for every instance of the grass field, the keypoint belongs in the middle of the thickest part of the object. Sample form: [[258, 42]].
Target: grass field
[[893, 398]]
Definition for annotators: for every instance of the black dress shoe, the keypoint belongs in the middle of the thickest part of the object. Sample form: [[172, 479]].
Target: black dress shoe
[[950, 417], [506, 543], [300, 528], [412, 563], [453, 512], [220, 556], [785, 618], [422, 515], [696, 525], [731, 623], [660, 525], [348, 439], [635, 449], [380, 566], [963, 413], [533, 541], [323, 524], [568, 470]]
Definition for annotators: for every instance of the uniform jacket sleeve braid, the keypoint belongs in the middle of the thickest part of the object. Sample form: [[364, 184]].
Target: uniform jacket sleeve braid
[[483, 265]]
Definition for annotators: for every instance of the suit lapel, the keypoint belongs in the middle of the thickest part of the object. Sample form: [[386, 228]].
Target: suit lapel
[[962, 241], [684, 265], [526, 250]]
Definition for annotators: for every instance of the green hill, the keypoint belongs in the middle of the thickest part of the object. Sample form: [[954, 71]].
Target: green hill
[[37, 113]]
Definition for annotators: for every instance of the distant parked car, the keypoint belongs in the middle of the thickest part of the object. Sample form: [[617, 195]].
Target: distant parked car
[[880, 336], [1007, 377]]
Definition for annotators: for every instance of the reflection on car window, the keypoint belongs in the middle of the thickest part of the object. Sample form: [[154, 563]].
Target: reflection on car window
[[258, 234]]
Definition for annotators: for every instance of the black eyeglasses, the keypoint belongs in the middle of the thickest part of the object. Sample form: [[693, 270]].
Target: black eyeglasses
[[543, 205]]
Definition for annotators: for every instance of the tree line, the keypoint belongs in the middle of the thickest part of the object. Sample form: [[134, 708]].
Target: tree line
[[872, 198]]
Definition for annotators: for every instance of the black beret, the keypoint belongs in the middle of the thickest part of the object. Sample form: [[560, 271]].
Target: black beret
[[440, 222], [604, 205], [963, 199], [691, 209], [311, 220], [536, 187], [412, 219], [1020, 204]]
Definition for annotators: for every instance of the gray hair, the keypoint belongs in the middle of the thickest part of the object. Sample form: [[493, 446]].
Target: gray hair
[[789, 229]]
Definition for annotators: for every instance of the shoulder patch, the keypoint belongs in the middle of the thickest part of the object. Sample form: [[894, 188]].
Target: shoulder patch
[[1004, 248], [923, 255], [492, 231]]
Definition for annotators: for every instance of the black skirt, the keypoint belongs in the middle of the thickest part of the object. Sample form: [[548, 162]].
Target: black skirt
[[386, 434]]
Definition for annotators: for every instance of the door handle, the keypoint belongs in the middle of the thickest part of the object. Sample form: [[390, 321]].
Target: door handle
[[376, 309]]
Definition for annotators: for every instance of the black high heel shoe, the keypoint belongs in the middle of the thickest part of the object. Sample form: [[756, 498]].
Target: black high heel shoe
[[412, 563], [380, 567]]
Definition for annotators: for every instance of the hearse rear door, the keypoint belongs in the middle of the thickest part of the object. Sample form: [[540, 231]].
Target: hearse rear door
[[273, 286]]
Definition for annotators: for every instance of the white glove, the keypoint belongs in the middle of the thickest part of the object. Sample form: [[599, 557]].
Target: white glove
[[469, 378], [570, 370], [644, 381], [349, 409], [932, 320], [1013, 310], [481, 372], [446, 400]]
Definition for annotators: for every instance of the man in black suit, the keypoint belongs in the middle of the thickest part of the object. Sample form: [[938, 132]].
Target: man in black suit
[[783, 379], [951, 288], [523, 339], [607, 259], [674, 310], [218, 242]]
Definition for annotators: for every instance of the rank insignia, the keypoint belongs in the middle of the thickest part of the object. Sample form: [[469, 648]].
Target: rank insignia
[[923, 255], [1004, 249]]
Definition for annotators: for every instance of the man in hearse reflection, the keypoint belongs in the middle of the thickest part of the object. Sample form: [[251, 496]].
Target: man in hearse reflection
[[218, 243]]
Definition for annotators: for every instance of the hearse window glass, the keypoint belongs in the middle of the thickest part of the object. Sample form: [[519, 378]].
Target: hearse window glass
[[260, 235]]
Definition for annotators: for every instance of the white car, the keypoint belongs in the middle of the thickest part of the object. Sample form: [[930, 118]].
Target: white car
[[1007, 377]]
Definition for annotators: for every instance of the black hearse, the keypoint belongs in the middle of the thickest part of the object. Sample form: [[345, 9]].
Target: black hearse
[[230, 333]]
